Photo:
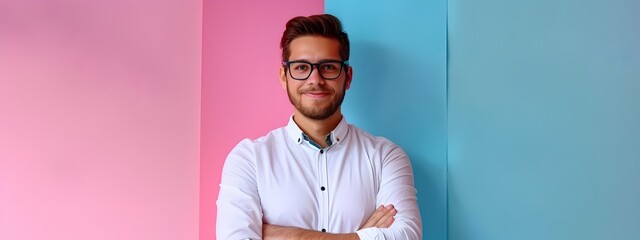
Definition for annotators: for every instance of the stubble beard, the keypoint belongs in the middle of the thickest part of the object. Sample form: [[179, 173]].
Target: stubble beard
[[316, 112]]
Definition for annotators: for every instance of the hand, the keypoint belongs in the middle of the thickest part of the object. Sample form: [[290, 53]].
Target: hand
[[383, 217]]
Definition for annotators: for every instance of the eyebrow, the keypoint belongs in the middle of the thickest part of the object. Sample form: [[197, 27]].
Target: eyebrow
[[321, 60]]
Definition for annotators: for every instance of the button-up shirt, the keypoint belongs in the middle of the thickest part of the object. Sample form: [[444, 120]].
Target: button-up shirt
[[286, 179]]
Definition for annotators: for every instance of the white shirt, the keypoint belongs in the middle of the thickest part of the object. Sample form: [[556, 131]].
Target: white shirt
[[285, 180]]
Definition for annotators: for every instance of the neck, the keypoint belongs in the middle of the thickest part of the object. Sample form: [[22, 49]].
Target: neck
[[317, 130]]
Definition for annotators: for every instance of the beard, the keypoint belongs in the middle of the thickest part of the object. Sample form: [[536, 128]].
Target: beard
[[316, 111]]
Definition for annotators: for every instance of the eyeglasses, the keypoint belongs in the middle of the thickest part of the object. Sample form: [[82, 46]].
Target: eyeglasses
[[301, 70]]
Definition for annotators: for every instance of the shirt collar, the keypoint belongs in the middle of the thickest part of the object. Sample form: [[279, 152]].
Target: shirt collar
[[335, 137]]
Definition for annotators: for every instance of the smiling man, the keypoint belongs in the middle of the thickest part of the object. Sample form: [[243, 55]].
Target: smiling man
[[318, 177]]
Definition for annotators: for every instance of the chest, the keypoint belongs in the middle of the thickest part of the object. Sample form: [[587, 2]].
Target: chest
[[307, 188]]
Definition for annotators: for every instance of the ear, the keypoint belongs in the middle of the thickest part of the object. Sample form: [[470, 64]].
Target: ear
[[348, 78], [283, 78]]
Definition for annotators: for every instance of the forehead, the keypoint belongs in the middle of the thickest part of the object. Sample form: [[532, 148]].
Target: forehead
[[314, 48]]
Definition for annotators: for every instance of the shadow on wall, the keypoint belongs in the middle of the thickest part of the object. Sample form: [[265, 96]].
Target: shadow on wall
[[394, 94]]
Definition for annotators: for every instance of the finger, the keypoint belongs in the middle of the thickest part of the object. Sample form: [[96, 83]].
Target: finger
[[386, 223], [375, 217], [386, 220], [381, 216]]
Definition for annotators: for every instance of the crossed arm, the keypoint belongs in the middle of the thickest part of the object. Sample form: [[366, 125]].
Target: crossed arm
[[381, 218], [240, 214]]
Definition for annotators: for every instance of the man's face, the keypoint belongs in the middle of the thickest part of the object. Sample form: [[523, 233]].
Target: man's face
[[316, 98]]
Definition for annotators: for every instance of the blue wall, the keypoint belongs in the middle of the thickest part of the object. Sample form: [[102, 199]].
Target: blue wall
[[544, 119], [533, 108], [399, 88]]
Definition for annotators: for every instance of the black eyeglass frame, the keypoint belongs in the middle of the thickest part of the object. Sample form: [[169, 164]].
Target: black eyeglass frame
[[287, 64]]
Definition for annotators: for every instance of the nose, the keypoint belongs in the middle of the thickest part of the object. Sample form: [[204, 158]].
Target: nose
[[315, 77]]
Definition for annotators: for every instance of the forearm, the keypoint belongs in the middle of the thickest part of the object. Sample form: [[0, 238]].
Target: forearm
[[274, 232]]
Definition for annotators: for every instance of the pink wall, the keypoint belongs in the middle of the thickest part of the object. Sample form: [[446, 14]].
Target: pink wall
[[99, 119], [241, 96], [100, 110]]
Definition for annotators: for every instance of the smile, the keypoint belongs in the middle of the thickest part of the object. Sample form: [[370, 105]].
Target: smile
[[316, 94]]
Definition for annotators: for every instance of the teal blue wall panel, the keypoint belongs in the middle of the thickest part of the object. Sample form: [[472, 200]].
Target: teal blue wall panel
[[399, 88], [544, 119]]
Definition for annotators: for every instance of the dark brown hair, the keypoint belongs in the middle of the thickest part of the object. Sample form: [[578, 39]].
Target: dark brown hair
[[325, 25]]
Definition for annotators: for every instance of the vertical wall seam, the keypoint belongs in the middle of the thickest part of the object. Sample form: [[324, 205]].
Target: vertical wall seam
[[446, 136]]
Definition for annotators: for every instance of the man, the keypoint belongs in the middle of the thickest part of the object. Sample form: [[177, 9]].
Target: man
[[318, 177]]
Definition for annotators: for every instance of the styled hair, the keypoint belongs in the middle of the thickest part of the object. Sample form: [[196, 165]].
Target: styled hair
[[325, 25]]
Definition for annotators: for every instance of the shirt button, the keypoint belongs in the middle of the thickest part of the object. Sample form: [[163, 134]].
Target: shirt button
[[321, 151], [322, 188], [324, 230]]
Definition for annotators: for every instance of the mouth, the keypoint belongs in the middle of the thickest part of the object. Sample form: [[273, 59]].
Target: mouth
[[316, 94]]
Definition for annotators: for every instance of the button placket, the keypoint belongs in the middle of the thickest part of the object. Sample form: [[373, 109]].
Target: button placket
[[322, 157], [322, 198]]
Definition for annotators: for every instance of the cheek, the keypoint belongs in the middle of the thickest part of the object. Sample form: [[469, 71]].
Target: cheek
[[293, 87], [339, 87]]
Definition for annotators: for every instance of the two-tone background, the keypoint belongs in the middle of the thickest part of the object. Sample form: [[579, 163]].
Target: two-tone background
[[521, 118]]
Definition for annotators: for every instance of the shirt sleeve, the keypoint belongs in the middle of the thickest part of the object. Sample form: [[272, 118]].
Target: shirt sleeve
[[397, 188], [239, 214]]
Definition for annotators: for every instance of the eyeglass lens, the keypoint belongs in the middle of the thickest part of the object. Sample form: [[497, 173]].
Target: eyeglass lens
[[327, 70]]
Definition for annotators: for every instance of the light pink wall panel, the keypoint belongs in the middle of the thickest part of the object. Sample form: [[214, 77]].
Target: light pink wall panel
[[241, 96], [99, 119]]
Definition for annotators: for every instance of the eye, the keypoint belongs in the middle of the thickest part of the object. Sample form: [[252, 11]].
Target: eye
[[300, 67], [329, 66]]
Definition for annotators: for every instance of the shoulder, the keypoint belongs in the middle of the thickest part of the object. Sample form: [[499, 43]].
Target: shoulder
[[246, 153], [382, 153], [377, 147], [250, 146]]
